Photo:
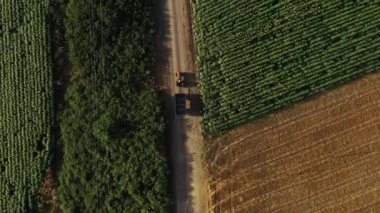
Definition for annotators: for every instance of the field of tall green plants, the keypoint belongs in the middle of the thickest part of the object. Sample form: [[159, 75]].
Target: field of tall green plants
[[258, 56], [112, 125], [25, 102]]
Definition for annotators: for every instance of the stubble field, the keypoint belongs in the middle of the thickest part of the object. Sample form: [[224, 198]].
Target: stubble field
[[319, 155]]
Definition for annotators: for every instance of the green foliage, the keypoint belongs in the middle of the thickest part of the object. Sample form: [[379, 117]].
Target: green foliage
[[25, 102], [112, 127], [259, 56]]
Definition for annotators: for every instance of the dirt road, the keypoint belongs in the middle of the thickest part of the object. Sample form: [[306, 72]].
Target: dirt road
[[176, 54]]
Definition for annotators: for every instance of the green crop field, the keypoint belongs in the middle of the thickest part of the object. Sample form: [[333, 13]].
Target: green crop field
[[25, 102], [258, 56]]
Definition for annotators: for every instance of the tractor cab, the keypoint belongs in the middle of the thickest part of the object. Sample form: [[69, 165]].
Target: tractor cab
[[180, 79]]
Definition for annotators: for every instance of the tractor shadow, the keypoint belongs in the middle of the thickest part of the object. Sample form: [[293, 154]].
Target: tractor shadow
[[190, 79]]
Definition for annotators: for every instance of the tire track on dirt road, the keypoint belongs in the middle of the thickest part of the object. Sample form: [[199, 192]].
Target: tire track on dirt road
[[176, 54]]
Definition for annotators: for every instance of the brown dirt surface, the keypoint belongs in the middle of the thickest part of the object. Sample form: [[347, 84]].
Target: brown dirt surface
[[175, 53], [321, 155], [48, 194]]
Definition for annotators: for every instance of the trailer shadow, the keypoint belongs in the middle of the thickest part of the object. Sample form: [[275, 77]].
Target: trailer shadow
[[195, 108]]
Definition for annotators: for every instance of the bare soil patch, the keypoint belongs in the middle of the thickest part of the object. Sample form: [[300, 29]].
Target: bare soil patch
[[48, 193], [319, 155]]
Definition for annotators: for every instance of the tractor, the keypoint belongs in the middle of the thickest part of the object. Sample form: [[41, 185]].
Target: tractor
[[180, 79]]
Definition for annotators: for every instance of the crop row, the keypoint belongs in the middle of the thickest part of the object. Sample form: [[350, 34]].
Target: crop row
[[257, 57], [25, 102]]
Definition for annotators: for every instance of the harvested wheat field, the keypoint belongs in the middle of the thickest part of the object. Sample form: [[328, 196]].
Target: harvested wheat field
[[321, 155]]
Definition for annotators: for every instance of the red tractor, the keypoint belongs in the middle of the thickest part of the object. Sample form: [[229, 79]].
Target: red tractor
[[180, 79]]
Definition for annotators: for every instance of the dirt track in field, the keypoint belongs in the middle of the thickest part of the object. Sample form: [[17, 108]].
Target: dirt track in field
[[176, 54], [320, 155]]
